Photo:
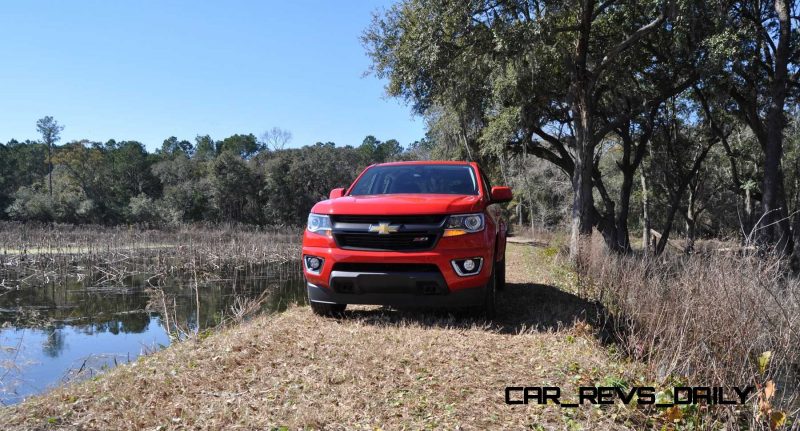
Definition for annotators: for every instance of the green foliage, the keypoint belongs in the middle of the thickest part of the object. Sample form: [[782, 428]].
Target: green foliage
[[49, 129], [306, 175], [379, 152], [233, 188], [634, 89], [205, 147], [553, 79], [143, 209], [172, 147], [31, 204], [68, 203], [244, 146], [20, 164], [186, 188], [233, 180]]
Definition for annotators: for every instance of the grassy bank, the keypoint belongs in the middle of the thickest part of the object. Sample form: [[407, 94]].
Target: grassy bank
[[372, 369]]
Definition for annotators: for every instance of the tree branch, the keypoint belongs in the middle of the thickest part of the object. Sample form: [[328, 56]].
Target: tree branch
[[528, 145], [554, 142], [625, 44]]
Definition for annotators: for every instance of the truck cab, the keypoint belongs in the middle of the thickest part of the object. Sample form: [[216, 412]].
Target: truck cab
[[408, 234]]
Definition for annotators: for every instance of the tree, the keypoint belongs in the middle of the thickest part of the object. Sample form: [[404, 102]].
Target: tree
[[21, 164], [234, 188], [420, 150], [307, 174], [679, 150], [205, 147], [130, 173], [187, 190], [553, 77], [51, 133], [276, 138], [378, 152], [172, 147], [245, 146], [761, 77]]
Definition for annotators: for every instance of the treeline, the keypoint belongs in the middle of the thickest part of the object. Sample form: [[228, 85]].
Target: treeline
[[237, 179], [678, 116]]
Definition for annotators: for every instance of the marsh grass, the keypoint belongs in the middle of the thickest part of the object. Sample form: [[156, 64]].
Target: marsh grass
[[32, 253], [710, 319]]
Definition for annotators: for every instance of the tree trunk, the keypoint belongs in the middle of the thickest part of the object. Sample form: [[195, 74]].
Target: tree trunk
[[645, 217], [632, 156], [582, 110], [748, 214], [530, 216], [50, 168], [583, 201], [775, 224], [796, 233], [796, 224], [623, 235], [691, 222], [676, 198], [673, 209], [776, 231], [629, 167]]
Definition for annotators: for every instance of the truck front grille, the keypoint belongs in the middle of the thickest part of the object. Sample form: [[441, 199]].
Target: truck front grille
[[398, 241], [387, 233]]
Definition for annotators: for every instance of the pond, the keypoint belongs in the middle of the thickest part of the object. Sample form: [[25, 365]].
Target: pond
[[71, 328]]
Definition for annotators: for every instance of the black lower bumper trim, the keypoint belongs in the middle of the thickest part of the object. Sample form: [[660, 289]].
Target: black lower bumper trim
[[460, 298], [388, 282]]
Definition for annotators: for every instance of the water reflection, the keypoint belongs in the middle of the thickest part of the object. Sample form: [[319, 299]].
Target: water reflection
[[54, 343], [69, 329]]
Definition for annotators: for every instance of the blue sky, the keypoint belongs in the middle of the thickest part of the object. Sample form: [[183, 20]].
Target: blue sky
[[147, 70]]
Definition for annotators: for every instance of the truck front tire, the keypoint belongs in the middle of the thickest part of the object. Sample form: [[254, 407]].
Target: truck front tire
[[501, 274], [327, 310], [488, 310]]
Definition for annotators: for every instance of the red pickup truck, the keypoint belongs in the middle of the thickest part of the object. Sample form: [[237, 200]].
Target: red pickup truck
[[408, 234]]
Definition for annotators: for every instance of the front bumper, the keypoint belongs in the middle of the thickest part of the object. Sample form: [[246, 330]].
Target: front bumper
[[437, 285], [462, 298]]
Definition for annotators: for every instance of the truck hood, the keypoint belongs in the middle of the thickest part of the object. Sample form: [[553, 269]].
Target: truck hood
[[399, 204]]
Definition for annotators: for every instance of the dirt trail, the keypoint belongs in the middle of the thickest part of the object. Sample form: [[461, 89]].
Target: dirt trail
[[372, 369]]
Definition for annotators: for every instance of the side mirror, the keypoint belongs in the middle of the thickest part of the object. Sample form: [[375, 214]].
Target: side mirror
[[336, 193], [501, 194]]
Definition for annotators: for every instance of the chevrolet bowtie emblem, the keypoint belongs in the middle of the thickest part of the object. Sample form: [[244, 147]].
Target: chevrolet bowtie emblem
[[383, 228]]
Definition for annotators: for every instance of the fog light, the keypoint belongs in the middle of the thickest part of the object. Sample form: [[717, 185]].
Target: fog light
[[313, 264], [469, 265]]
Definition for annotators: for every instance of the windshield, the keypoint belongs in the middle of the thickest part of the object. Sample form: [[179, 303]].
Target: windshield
[[433, 179]]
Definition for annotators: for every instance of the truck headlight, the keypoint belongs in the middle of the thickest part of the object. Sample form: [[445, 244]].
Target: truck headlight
[[463, 224], [319, 223]]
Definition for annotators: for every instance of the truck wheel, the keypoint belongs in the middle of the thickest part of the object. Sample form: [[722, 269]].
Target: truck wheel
[[489, 300], [327, 310], [501, 274]]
